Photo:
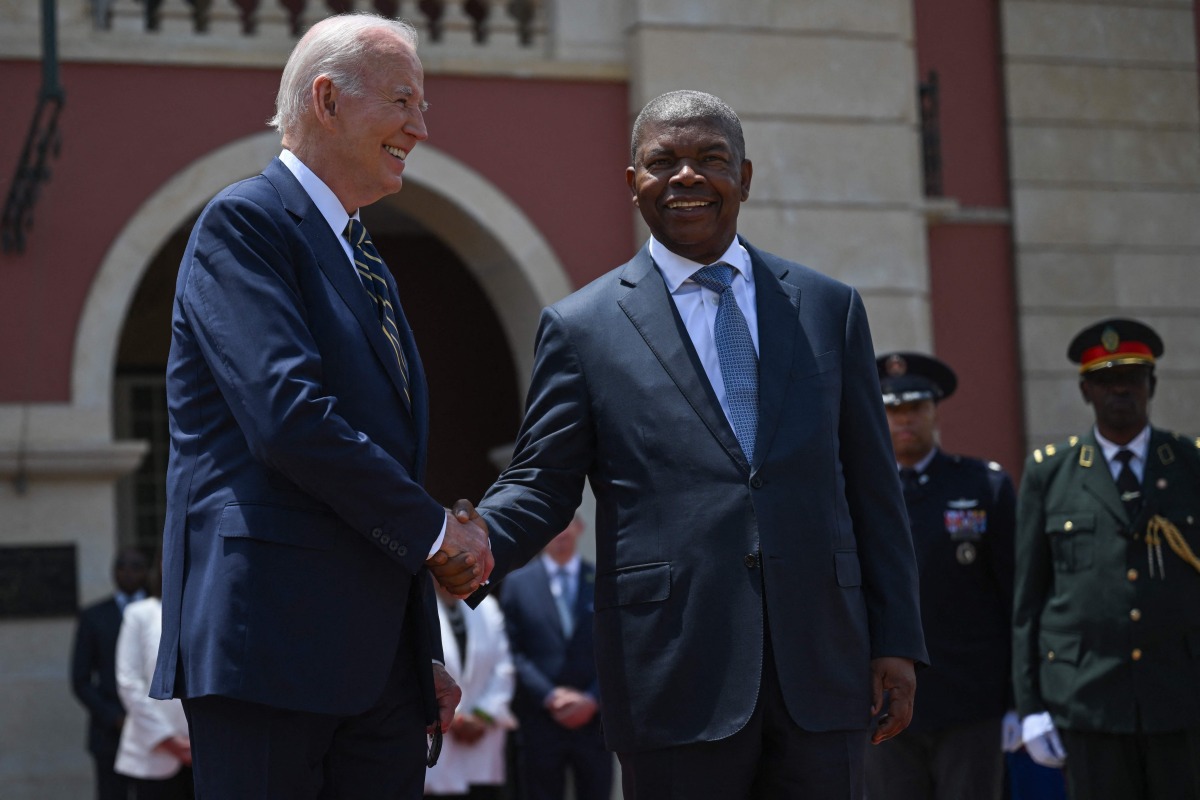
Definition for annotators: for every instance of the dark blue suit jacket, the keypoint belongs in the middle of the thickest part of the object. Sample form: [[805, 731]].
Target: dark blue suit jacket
[[297, 527], [963, 518], [544, 657], [696, 548], [94, 675]]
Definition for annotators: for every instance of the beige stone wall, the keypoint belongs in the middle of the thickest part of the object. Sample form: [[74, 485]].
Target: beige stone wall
[[1105, 160], [58, 467], [826, 90]]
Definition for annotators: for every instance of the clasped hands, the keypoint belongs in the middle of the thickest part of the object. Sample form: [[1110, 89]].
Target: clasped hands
[[464, 561]]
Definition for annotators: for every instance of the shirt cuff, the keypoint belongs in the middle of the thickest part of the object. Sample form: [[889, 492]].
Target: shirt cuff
[[437, 544]]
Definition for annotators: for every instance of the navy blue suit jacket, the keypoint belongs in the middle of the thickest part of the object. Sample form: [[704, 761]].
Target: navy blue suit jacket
[[543, 655], [696, 548], [297, 527]]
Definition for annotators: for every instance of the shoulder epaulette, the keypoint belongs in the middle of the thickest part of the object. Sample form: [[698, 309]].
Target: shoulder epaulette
[[1051, 450]]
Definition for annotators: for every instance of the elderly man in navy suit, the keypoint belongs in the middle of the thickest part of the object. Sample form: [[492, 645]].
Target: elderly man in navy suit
[[299, 623], [548, 613], [756, 590]]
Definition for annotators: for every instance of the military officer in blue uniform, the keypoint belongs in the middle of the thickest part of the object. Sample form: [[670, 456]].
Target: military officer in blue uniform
[[962, 513], [1106, 640]]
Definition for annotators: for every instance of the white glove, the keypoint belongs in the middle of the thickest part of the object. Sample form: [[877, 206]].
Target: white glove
[[1010, 733], [1041, 740]]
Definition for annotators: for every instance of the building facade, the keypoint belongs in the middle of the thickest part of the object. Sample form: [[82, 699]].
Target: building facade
[[990, 175]]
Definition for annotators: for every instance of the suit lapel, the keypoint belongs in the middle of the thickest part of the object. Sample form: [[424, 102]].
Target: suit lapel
[[778, 324], [331, 259], [650, 308]]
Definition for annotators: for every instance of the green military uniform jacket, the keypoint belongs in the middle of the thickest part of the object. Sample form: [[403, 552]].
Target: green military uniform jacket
[[1106, 636]]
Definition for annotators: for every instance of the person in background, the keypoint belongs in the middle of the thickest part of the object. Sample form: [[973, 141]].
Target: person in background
[[548, 607], [154, 752], [93, 669], [472, 764], [1106, 635], [962, 512]]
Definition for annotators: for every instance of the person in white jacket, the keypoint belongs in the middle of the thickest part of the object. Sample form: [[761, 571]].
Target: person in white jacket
[[472, 764], [154, 752]]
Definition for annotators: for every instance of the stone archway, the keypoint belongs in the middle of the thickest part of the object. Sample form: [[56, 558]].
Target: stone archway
[[501, 247]]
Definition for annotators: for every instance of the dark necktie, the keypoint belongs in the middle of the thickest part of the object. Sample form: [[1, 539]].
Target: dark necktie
[[908, 479], [458, 626], [370, 269], [1128, 484], [735, 353]]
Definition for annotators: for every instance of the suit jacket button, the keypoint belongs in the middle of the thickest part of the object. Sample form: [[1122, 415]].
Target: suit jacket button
[[1135, 614], [385, 539], [401, 550], [1136, 654], [377, 532], [1132, 574], [756, 482], [751, 560], [393, 545]]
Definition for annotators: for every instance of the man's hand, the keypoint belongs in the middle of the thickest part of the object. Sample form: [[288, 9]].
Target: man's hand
[[468, 728], [571, 708], [178, 746], [1041, 740], [447, 693], [464, 561], [897, 677]]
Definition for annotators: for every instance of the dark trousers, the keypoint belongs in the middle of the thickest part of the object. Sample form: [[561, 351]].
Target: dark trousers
[[177, 787], [109, 785], [248, 751], [963, 762], [769, 759], [1132, 766], [545, 752]]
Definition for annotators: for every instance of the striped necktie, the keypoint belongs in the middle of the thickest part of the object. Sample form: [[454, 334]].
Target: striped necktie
[[735, 353], [370, 269]]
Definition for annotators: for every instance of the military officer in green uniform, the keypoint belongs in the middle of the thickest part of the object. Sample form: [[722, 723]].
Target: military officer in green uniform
[[1106, 623], [962, 514]]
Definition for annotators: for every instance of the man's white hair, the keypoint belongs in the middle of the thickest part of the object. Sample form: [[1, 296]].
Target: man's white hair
[[337, 47]]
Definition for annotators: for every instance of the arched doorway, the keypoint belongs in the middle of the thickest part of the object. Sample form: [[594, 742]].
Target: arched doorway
[[453, 240]]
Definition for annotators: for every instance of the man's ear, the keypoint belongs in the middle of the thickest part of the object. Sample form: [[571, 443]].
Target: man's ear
[[630, 178], [1153, 384], [1083, 390], [324, 100]]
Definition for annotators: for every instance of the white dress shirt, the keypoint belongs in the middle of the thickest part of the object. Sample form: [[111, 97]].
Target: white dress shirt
[[697, 306], [1138, 445]]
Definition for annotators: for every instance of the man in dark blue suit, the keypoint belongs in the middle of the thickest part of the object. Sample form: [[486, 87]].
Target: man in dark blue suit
[[756, 591], [548, 616], [93, 669], [299, 624]]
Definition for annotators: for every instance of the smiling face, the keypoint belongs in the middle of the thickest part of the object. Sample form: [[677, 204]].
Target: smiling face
[[368, 134], [689, 185], [1120, 397]]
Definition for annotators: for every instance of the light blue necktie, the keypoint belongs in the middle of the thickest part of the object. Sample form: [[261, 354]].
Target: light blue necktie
[[562, 599], [735, 352]]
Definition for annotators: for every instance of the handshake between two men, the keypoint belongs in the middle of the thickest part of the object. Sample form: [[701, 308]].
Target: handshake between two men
[[464, 561]]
